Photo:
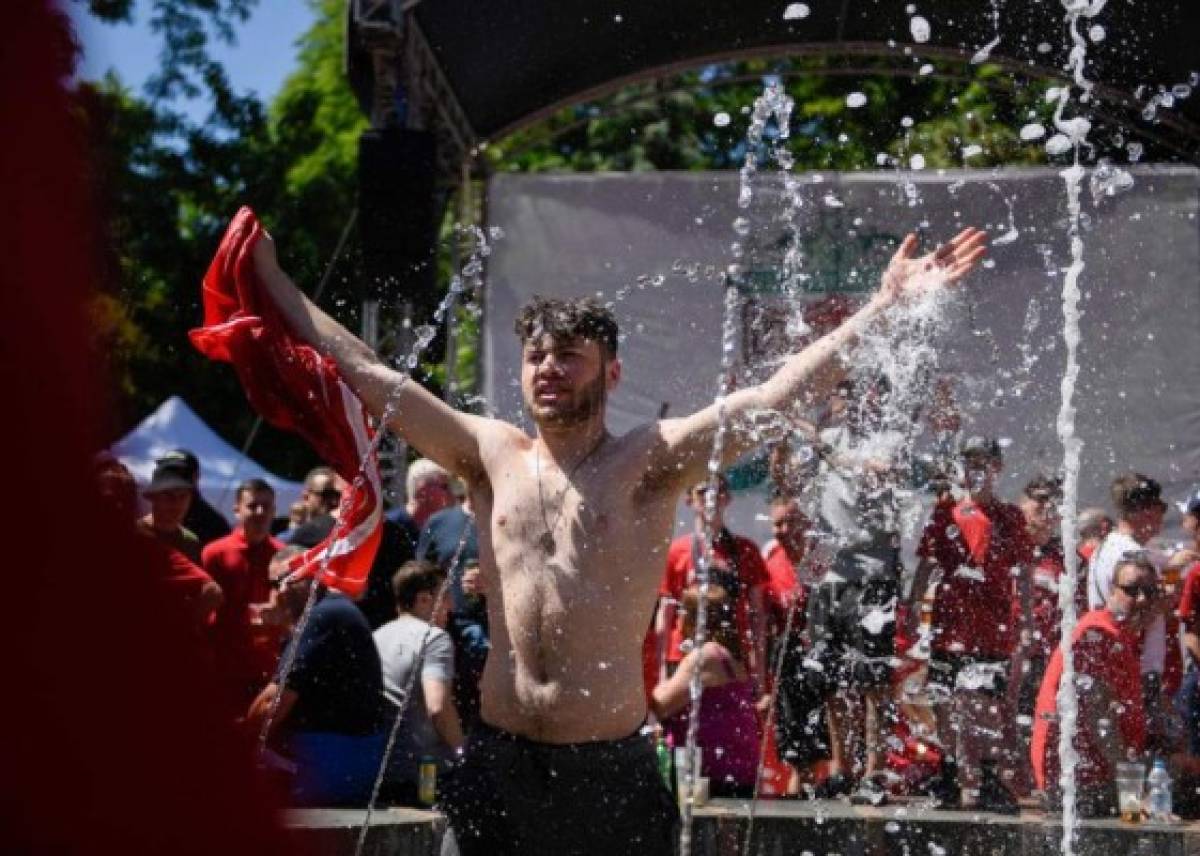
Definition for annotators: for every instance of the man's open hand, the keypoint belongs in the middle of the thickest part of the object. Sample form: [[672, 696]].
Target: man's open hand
[[908, 276]]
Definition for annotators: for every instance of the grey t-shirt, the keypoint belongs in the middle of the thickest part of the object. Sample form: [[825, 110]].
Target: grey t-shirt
[[857, 511], [398, 642]]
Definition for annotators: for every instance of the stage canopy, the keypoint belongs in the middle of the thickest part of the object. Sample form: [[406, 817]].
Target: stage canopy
[[492, 67], [174, 425]]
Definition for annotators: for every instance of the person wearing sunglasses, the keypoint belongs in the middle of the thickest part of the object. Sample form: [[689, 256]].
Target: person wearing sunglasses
[[1112, 725], [1140, 509]]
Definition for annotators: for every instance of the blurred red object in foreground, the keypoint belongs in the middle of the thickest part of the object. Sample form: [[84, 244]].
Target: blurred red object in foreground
[[113, 742]]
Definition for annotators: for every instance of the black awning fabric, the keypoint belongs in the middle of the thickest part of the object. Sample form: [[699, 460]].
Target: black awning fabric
[[508, 60]]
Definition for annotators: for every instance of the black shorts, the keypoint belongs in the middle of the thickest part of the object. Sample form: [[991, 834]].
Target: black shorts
[[853, 630], [512, 795], [801, 730], [953, 673]]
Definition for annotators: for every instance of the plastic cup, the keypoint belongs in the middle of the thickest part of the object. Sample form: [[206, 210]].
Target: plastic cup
[[1130, 779], [681, 773]]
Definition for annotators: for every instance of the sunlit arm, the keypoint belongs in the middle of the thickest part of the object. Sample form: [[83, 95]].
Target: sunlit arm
[[438, 431], [442, 713], [687, 440]]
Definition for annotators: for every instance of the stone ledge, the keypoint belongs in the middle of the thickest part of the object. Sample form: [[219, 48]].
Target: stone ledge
[[789, 828], [393, 832]]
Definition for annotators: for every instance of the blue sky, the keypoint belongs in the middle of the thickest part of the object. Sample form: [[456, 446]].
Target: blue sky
[[263, 56]]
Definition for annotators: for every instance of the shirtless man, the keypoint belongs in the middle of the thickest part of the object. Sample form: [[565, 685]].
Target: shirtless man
[[573, 527]]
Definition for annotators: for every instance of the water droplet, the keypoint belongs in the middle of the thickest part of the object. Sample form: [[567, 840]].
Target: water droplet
[[1059, 144], [855, 100], [721, 119], [891, 827], [924, 70], [1044, 47], [1033, 131], [972, 151], [906, 121], [1096, 33], [920, 29], [796, 12], [917, 162]]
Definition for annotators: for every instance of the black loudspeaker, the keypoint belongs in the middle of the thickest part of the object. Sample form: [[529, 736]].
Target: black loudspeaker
[[397, 183]]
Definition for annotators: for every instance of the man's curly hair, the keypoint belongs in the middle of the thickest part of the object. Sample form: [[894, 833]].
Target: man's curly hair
[[568, 319]]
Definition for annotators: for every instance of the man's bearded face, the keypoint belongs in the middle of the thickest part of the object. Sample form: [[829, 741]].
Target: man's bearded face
[[563, 381]]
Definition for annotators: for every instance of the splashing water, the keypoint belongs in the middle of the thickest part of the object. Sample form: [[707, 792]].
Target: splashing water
[[985, 52], [796, 12], [1076, 130], [920, 29], [466, 284], [1108, 180], [773, 103]]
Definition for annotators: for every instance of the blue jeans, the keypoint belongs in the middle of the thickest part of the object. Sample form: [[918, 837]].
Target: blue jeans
[[1187, 702], [334, 769]]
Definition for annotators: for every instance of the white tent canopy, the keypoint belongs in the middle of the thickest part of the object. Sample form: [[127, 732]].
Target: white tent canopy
[[174, 425]]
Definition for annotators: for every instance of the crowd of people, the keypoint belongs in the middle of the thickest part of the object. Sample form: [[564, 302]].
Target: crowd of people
[[859, 677], [868, 681]]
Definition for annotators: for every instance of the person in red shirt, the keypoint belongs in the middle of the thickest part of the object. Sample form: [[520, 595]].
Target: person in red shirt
[[737, 565], [1035, 609], [1036, 613], [1111, 725], [240, 564], [801, 732], [975, 545], [1186, 564]]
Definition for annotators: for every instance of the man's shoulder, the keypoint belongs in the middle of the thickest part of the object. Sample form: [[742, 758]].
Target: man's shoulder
[[224, 544], [337, 608]]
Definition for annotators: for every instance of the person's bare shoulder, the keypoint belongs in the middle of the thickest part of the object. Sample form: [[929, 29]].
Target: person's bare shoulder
[[644, 449]]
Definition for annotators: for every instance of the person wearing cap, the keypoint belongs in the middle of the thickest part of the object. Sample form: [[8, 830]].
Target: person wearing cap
[[181, 577], [1186, 561], [170, 495], [1137, 499], [974, 545], [208, 523]]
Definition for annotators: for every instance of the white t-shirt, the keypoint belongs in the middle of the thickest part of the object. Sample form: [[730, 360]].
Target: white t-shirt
[[1100, 584]]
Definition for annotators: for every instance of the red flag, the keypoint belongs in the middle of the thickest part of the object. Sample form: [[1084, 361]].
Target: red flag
[[295, 387]]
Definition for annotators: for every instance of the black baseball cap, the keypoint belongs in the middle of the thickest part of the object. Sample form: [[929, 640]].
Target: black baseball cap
[[169, 475], [186, 462]]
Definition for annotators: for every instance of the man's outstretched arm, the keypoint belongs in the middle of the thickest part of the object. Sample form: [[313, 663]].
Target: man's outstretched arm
[[436, 430], [688, 440]]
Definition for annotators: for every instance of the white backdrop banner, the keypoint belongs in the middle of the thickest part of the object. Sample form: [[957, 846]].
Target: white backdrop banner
[[657, 243]]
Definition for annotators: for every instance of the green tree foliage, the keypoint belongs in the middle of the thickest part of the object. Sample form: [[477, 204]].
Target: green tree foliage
[[168, 187]]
